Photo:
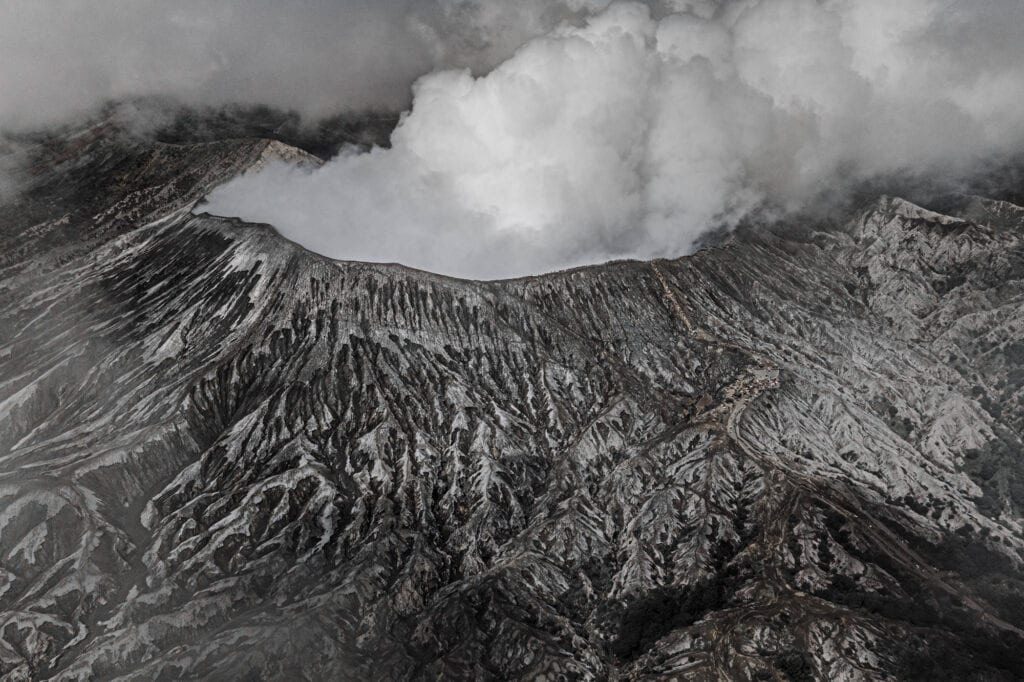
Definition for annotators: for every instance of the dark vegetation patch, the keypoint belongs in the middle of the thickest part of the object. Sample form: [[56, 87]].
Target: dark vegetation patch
[[968, 658], [794, 666], [998, 468], [901, 426], [990, 574], [650, 616], [976, 647]]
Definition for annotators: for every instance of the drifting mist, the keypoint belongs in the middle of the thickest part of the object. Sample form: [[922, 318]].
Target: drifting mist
[[633, 134], [542, 135], [62, 59]]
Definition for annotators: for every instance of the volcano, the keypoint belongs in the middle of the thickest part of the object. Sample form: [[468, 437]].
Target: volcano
[[795, 454]]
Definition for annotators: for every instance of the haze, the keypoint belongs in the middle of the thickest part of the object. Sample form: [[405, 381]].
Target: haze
[[543, 135]]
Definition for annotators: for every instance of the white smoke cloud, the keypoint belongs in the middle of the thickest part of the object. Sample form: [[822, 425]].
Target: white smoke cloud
[[634, 133], [578, 132], [63, 58]]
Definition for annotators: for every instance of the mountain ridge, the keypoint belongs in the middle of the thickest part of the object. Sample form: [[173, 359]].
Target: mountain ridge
[[224, 456]]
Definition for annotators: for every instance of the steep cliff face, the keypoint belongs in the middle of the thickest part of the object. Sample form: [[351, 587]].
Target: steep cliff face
[[224, 456]]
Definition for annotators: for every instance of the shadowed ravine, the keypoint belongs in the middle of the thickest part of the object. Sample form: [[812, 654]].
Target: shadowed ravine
[[224, 456]]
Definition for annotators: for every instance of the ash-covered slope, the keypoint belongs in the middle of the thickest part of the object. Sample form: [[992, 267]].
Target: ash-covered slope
[[222, 456]]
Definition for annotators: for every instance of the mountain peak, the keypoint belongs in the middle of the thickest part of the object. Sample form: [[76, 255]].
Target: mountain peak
[[224, 456]]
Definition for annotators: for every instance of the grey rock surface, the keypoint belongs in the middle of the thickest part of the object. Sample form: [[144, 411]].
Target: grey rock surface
[[225, 457]]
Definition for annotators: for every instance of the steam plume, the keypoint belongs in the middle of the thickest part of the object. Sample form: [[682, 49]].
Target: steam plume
[[632, 134]]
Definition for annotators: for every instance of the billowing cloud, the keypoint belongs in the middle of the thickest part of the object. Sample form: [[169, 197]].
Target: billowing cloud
[[62, 58], [633, 133], [546, 133]]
